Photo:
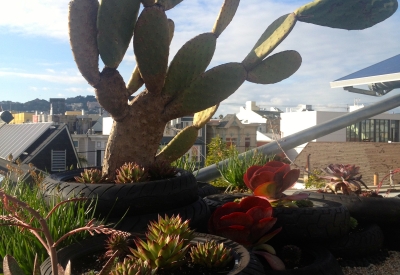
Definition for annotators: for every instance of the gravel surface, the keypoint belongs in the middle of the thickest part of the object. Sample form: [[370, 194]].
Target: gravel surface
[[391, 266]]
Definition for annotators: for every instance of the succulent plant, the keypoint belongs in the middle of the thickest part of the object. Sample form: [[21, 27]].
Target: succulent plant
[[130, 172], [133, 266], [167, 252], [170, 226], [343, 177], [92, 175], [304, 203], [117, 243], [161, 170], [184, 86], [211, 254]]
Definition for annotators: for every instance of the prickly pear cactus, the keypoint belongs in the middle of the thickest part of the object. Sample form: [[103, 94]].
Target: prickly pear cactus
[[184, 86]]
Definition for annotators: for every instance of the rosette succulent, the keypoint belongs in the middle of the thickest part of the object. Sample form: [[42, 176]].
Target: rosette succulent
[[343, 177], [130, 172], [271, 180], [92, 175], [170, 226], [248, 222], [211, 254]]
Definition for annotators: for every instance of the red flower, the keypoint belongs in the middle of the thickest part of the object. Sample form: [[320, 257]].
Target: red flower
[[271, 179], [247, 222]]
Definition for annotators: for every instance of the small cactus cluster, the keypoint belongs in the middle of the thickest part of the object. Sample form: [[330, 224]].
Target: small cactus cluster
[[92, 175], [131, 172], [184, 86], [166, 246], [210, 254], [133, 266]]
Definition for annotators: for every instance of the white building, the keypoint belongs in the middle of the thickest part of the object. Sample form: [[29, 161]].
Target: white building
[[381, 128]]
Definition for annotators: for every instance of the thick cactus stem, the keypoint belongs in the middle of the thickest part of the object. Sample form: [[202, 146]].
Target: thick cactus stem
[[179, 145], [225, 16], [275, 68], [151, 47], [83, 38], [201, 118], [115, 24], [171, 28], [189, 63], [269, 40], [346, 14]]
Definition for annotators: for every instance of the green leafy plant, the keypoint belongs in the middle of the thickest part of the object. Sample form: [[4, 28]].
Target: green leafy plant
[[233, 171], [303, 203], [186, 163], [353, 223], [21, 215], [314, 180], [185, 85]]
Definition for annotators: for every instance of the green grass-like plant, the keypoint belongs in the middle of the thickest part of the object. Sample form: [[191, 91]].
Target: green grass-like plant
[[233, 171], [21, 243], [314, 180]]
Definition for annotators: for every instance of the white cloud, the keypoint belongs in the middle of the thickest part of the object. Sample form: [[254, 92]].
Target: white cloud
[[45, 77]]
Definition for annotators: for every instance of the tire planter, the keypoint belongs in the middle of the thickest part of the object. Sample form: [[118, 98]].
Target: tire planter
[[324, 263], [245, 262], [114, 200], [368, 240], [365, 209], [323, 221], [197, 213], [206, 189]]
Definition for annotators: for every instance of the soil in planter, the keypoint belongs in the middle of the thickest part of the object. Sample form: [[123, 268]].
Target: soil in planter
[[305, 260], [95, 262]]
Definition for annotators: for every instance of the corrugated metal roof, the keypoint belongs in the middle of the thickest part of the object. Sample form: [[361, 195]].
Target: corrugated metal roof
[[385, 71], [16, 138]]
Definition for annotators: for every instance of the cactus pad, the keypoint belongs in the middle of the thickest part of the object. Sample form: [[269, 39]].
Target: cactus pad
[[212, 87], [225, 16], [135, 82], [179, 145], [270, 39], [83, 34], [189, 62], [275, 68], [201, 118], [168, 4], [346, 14], [171, 28], [115, 24], [151, 47]]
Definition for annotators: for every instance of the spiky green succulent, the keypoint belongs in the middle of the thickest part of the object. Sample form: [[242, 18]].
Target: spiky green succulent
[[131, 172], [166, 252], [133, 266], [211, 254], [170, 226], [90, 176], [184, 86], [117, 243]]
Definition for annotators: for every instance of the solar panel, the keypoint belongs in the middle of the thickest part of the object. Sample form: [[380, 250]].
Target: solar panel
[[16, 138], [384, 71]]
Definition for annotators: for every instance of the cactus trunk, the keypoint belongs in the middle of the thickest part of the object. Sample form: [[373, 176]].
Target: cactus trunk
[[128, 144]]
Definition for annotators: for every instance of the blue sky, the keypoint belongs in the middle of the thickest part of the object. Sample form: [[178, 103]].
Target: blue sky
[[36, 60]]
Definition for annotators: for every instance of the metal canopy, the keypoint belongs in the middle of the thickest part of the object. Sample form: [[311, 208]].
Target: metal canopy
[[381, 78]]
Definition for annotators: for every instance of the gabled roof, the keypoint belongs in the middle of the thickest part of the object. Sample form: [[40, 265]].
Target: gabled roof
[[385, 71], [16, 138], [229, 121]]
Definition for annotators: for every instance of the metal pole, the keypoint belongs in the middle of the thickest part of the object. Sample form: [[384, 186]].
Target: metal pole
[[210, 172]]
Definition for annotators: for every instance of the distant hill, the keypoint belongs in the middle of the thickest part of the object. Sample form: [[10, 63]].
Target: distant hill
[[42, 105]]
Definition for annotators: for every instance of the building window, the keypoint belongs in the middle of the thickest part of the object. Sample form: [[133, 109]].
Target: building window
[[230, 142], [76, 143], [99, 144], [247, 143], [58, 160], [373, 130], [194, 153]]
